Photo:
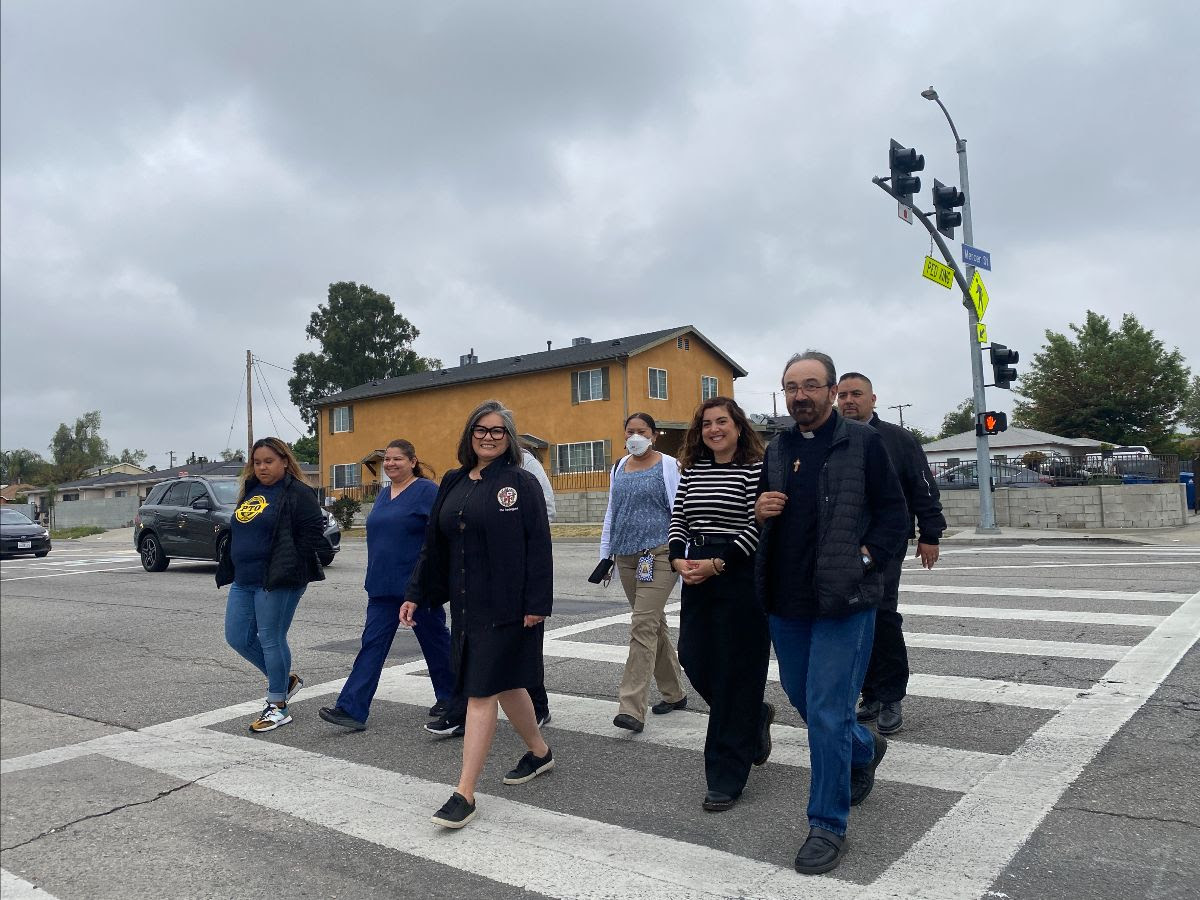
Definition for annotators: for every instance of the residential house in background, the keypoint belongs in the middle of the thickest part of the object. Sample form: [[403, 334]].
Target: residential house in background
[[1008, 446], [570, 405]]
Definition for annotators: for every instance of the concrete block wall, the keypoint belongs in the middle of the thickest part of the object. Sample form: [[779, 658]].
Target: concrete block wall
[[580, 506], [111, 512], [1082, 507]]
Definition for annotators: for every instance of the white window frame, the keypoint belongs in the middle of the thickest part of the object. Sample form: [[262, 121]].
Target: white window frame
[[350, 475], [705, 381], [571, 457], [341, 419], [650, 385], [593, 379]]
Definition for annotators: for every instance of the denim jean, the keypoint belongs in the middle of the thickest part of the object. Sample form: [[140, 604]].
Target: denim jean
[[256, 626], [383, 618], [821, 666]]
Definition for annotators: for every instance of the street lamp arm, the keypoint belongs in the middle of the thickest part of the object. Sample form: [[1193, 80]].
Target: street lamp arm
[[937, 238]]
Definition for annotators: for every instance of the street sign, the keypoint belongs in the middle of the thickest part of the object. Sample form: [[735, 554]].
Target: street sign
[[904, 212], [979, 295], [938, 273], [973, 256], [981, 332]]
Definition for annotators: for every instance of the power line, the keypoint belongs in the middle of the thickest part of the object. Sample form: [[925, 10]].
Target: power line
[[263, 380], [273, 366], [270, 415], [237, 402]]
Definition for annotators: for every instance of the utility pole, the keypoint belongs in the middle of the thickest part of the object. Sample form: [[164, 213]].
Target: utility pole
[[171, 457], [901, 408], [774, 407], [249, 407]]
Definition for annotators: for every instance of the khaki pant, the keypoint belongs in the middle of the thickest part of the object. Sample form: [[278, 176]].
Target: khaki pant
[[650, 649]]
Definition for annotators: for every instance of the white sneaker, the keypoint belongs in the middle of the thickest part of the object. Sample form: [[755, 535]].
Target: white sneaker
[[271, 718]]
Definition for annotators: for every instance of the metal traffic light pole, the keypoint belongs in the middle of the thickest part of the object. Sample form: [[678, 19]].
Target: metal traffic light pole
[[987, 513]]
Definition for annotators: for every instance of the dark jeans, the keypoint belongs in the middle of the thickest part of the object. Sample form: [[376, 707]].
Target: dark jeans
[[724, 647], [821, 667], [887, 675], [383, 618]]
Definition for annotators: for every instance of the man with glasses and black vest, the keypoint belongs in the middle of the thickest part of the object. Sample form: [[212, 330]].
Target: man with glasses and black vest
[[832, 515], [887, 676]]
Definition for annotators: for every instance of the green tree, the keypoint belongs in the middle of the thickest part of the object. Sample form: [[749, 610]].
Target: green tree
[[919, 434], [306, 449], [133, 457], [231, 455], [959, 419], [77, 448], [1189, 412], [22, 466], [362, 338], [1116, 385]]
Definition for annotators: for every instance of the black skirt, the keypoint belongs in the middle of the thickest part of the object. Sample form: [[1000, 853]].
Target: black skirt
[[501, 658]]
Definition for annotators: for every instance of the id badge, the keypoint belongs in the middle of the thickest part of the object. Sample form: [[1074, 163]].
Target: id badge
[[645, 567]]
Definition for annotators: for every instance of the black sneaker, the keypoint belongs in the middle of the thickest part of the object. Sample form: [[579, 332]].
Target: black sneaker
[[455, 812], [295, 682], [764, 734], [628, 722], [662, 707], [543, 719], [867, 710], [891, 719], [530, 767], [862, 779], [338, 716], [443, 727], [438, 709]]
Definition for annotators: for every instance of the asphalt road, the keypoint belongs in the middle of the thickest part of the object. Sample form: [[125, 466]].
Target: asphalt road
[[1051, 748]]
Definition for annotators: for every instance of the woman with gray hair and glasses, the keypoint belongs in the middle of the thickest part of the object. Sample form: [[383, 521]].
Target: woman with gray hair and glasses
[[488, 554]]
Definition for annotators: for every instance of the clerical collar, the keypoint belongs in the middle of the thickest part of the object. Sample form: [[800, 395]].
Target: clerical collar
[[827, 425]]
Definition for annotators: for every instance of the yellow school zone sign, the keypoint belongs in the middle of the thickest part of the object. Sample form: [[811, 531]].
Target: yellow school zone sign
[[938, 273]]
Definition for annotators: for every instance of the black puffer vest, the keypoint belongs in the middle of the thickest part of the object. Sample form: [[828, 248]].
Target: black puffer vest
[[843, 585]]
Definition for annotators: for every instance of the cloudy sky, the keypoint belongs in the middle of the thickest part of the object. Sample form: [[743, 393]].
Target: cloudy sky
[[182, 181]]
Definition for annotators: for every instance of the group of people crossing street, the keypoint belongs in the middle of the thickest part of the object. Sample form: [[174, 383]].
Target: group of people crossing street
[[797, 545]]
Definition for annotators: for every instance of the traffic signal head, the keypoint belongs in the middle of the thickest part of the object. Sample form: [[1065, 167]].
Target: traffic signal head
[[903, 161], [945, 198], [991, 423], [1003, 359]]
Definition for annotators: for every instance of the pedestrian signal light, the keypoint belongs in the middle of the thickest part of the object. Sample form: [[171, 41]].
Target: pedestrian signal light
[[991, 423], [945, 198], [903, 161], [1003, 359]]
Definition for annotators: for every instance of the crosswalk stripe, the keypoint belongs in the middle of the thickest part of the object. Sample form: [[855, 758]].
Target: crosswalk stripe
[[1082, 564], [946, 687], [13, 887], [1085, 617], [1043, 593]]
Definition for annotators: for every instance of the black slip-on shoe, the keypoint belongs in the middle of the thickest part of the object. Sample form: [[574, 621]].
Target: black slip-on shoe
[[867, 710], [530, 767], [628, 722], [338, 716], [662, 707], [715, 801], [764, 734], [455, 812], [862, 779], [891, 719], [820, 852]]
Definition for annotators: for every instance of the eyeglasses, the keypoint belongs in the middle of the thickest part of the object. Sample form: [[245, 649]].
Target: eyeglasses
[[809, 387], [494, 433]]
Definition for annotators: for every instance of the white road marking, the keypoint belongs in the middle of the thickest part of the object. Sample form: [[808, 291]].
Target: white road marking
[[982, 569], [1035, 550], [946, 687], [965, 851], [1019, 646], [61, 574], [1047, 593], [13, 887], [1083, 617]]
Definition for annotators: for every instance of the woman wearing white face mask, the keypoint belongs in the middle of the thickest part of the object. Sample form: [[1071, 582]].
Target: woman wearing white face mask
[[640, 497]]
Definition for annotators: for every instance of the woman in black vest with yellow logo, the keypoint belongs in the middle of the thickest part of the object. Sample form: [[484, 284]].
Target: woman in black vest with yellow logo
[[276, 531]]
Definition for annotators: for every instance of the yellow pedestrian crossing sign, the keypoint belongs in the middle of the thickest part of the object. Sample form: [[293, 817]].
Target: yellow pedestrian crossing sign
[[979, 295], [981, 332]]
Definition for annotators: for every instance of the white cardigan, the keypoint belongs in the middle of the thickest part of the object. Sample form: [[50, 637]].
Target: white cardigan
[[670, 470]]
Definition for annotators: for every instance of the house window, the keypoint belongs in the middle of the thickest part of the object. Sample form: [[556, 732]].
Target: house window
[[344, 476], [587, 456], [590, 384], [120, 493], [683, 343], [708, 386], [69, 497], [658, 384], [341, 419]]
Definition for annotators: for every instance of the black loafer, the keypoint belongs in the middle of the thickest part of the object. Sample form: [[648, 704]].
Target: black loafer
[[662, 707], [821, 852], [891, 718], [337, 716], [764, 735], [867, 710], [628, 722], [715, 801], [862, 779]]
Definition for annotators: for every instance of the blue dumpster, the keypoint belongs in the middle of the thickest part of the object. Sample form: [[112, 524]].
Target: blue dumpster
[[1189, 478]]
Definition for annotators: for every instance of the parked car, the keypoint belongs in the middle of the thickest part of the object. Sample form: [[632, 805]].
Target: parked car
[[19, 535], [189, 518], [1062, 470], [964, 476]]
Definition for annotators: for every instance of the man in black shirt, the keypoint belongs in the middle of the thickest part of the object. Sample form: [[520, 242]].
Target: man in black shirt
[[832, 515], [887, 676]]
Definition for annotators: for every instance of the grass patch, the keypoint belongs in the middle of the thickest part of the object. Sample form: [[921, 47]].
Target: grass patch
[[69, 534]]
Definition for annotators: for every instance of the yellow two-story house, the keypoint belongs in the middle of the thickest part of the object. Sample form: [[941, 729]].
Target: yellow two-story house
[[570, 405]]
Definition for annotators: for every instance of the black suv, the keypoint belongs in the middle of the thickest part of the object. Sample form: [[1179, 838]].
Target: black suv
[[189, 518]]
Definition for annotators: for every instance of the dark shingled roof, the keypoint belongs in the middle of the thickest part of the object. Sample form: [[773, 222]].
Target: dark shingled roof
[[562, 358]]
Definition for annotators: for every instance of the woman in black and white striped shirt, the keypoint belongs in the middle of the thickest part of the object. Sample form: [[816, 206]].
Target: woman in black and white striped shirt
[[723, 639]]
